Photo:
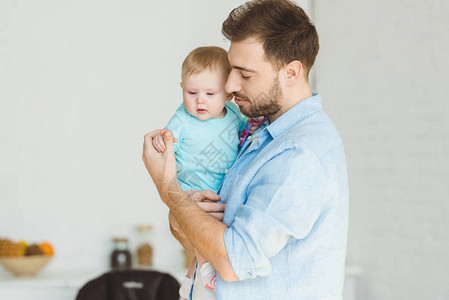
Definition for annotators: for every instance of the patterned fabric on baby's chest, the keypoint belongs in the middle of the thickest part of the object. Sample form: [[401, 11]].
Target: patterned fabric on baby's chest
[[212, 157], [229, 136], [212, 151]]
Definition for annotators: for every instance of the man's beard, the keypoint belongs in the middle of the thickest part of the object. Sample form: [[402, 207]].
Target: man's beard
[[264, 104]]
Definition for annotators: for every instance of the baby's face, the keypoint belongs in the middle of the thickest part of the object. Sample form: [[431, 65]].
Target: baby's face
[[204, 94]]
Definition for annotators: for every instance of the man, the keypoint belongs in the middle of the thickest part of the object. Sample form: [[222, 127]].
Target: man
[[283, 234]]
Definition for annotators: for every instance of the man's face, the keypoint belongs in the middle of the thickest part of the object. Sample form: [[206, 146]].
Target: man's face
[[252, 81]]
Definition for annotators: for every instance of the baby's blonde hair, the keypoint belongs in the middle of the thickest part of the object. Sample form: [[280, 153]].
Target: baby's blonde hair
[[203, 58]]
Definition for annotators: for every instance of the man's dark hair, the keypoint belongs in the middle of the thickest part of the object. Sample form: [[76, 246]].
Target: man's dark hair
[[283, 28]]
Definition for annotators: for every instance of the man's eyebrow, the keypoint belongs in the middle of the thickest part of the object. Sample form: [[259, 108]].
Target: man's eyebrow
[[240, 68], [243, 69]]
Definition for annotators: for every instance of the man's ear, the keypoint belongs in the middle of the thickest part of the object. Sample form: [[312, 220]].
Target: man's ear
[[293, 71]]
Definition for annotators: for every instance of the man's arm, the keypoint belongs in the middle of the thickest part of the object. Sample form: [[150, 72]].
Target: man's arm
[[204, 232], [178, 233], [214, 209], [207, 235]]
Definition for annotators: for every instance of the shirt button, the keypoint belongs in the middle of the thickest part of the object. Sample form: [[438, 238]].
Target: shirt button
[[249, 138], [226, 171]]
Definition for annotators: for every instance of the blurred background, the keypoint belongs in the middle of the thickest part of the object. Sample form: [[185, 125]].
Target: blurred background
[[81, 82]]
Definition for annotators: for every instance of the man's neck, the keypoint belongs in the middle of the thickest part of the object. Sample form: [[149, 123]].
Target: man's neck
[[290, 98]]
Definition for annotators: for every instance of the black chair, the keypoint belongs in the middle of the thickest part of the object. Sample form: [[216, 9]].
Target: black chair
[[131, 285]]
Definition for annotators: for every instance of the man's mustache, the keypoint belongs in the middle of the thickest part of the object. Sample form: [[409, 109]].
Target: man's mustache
[[240, 96]]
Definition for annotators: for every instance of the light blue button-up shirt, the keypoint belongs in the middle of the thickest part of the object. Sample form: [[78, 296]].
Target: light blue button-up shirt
[[287, 210]]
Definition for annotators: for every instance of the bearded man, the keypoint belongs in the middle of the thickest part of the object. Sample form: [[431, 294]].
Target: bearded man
[[283, 233]]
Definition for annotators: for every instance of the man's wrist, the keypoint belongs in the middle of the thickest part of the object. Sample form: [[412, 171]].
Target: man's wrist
[[177, 197]]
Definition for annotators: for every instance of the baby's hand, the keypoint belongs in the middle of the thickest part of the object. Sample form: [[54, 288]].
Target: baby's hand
[[158, 142]]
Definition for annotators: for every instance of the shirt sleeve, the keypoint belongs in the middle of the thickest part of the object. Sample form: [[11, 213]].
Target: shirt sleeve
[[176, 124], [284, 201]]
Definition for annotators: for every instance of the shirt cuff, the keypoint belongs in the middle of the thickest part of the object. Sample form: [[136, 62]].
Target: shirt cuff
[[246, 263]]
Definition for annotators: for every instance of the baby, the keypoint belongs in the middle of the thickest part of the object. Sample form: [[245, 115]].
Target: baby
[[207, 128]]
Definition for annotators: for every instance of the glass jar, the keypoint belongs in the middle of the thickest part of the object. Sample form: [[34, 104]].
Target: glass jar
[[144, 251], [120, 256]]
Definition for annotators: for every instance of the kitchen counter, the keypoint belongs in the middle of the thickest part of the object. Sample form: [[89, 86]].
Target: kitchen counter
[[49, 279], [54, 284], [64, 284]]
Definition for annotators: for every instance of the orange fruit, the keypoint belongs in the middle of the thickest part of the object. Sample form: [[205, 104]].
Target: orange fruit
[[47, 248], [23, 244]]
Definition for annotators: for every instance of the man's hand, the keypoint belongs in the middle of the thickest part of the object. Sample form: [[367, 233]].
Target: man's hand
[[207, 201], [161, 166]]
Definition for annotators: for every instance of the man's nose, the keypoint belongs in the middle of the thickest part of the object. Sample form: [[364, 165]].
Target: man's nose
[[233, 83]]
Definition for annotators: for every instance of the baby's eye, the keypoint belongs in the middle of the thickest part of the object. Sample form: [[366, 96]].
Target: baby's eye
[[210, 94], [192, 93]]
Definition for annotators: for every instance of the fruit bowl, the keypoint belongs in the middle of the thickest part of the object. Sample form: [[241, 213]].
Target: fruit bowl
[[24, 266]]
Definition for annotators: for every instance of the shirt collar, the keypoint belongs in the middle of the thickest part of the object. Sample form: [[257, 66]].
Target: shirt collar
[[294, 115]]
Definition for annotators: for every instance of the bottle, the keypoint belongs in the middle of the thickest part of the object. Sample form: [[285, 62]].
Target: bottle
[[144, 247], [120, 257]]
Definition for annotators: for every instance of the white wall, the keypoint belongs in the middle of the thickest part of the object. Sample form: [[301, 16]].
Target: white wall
[[383, 73], [81, 82]]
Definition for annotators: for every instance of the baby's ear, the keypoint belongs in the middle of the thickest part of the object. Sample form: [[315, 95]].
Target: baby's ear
[[180, 84]]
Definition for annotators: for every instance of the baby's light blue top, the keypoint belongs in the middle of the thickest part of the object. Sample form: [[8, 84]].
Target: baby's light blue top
[[205, 149], [287, 210]]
